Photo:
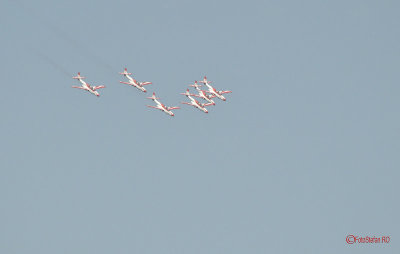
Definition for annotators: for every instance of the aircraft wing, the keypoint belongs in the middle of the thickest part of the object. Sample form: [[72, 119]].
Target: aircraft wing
[[145, 83], [222, 92], [98, 87], [207, 104], [79, 87], [187, 103], [152, 107], [125, 83], [169, 108], [205, 82]]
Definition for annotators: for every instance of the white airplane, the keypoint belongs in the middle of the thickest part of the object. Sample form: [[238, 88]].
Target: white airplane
[[86, 86], [212, 90], [134, 82], [202, 94], [161, 106], [195, 103]]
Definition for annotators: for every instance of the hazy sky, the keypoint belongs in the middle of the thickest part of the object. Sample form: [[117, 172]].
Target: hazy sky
[[304, 152]]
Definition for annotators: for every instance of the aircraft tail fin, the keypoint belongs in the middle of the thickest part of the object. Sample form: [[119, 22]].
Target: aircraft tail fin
[[153, 97], [205, 81], [125, 72], [79, 76], [187, 93], [196, 85]]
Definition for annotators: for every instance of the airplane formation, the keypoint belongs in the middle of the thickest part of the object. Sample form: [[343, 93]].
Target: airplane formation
[[206, 95]]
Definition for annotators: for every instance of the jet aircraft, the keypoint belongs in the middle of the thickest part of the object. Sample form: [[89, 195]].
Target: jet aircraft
[[161, 106], [86, 86], [213, 91], [134, 82]]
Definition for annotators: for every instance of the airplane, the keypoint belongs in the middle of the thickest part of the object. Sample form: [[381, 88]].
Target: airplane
[[213, 91], [86, 86], [202, 94], [134, 82], [161, 106], [195, 103]]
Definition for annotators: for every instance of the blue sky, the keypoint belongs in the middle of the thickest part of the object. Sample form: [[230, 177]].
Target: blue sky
[[303, 153]]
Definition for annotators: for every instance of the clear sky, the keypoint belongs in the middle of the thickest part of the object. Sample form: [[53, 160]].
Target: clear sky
[[304, 152]]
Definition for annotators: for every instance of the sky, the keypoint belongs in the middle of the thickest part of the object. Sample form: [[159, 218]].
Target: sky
[[303, 153]]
